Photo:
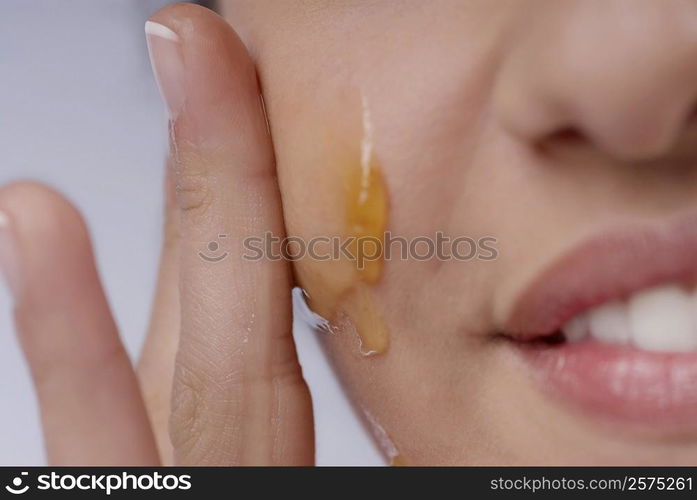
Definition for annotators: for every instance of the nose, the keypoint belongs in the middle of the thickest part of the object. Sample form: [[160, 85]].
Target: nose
[[620, 74]]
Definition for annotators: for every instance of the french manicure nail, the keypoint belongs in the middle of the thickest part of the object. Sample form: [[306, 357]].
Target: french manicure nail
[[9, 258], [164, 47]]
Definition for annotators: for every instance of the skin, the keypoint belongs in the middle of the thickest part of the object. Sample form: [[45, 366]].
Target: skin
[[458, 128], [510, 108]]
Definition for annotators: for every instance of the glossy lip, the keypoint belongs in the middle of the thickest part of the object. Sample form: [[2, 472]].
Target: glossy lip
[[640, 389], [643, 389], [611, 266]]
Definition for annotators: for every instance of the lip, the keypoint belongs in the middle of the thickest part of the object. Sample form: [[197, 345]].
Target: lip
[[636, 388], [632, 386], [610, 266]]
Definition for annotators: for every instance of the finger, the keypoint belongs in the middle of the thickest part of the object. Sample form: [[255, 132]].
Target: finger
[[239, 396], [91, 409], [156, 364]]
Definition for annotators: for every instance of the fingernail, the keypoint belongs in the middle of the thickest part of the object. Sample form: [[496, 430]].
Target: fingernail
[[164, 47], [9, 258]]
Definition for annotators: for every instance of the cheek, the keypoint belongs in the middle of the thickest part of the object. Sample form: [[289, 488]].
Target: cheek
[[410, 315], [408, 185], [336, 202], [318, 126]]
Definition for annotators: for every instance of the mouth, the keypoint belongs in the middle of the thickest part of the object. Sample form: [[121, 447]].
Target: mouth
[[611, 327]]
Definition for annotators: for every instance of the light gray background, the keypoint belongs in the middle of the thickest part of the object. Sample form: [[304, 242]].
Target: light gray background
[[79, 110]]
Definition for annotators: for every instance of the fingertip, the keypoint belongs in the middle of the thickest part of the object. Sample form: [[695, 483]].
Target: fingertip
[[53, 276], [204, 72], [34, 206], [181, 17], [69, 337], [194, 26], [9, 255], [51, 265]]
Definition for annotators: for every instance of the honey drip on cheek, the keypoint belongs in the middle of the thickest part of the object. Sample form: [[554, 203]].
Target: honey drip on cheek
[[343, 291], [366, 216]]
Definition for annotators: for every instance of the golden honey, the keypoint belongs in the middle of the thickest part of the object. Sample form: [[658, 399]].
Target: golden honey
[[366, 220], [343, 290]]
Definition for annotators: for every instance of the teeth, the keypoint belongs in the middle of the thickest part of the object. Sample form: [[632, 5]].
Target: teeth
[[576, 329], [610, 323], [662, 319]]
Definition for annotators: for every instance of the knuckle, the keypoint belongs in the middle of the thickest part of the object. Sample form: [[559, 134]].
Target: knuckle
[[186, 423], [199, 418], [188, 405], [194, 193], [216, 403]]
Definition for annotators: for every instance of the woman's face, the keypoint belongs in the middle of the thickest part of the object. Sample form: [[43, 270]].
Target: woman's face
[[563, 129]]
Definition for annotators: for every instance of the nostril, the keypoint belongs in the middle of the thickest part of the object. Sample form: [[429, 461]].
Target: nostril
[[563, 137], [568, 134]]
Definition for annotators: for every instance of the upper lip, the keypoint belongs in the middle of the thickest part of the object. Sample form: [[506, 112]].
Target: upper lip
[[606, 267]]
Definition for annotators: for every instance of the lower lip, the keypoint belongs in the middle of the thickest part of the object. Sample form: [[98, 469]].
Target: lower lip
[[620, 383]]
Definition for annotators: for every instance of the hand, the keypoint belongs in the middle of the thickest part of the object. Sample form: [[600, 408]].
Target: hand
[[220, 341]]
